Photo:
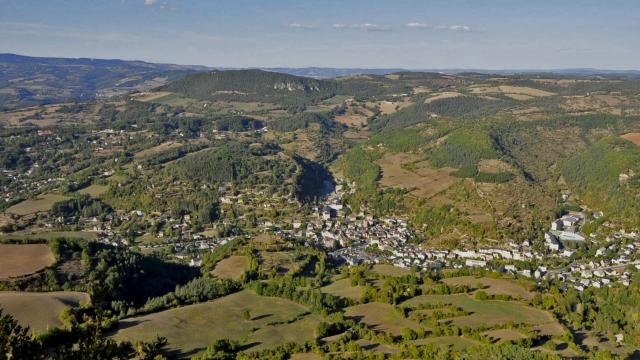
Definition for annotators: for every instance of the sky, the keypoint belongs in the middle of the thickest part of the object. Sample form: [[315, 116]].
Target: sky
[[412, 34]]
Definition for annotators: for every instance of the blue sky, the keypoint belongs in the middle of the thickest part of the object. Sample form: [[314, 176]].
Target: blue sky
[[489, 34]]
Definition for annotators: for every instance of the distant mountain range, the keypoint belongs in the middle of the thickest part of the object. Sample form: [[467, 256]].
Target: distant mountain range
[[26, 80]]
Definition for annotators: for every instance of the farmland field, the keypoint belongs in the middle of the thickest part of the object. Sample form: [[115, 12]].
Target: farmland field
[[492, 286], [231, 268], [380, 317], [424, 181], [24, 259], [39, 204], [192, 328], [487, 312], [40, 311]]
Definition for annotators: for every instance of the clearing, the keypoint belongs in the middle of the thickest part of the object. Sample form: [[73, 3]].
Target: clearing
[[24, 259], [190, 329], [40, 311], [380, 317], [40, 204], [231, 268], [423, 180], [492, 286], [442, 95]]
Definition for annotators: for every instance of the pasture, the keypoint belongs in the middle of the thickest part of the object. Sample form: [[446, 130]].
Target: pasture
[[40, 311], [343, 288], [24, 259], [492, 286], [487, 312], [41, 203], [390, 270], [406, 171], [380, 317], [231, 267], [190, 329]]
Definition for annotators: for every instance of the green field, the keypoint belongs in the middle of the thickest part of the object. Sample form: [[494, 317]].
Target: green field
[[487, 312], [40, 311], [40, 204], [343, 289], [190, 329], [380, 317]]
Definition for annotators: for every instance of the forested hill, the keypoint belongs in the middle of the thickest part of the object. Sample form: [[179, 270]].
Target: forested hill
[[27, 81], [253, 85]]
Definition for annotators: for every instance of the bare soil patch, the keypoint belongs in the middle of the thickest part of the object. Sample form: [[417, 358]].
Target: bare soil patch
[[633, 137]]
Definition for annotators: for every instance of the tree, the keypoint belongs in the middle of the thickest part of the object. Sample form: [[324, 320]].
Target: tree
[[15, 341]]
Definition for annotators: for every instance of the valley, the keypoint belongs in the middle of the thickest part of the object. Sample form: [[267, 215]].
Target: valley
[[253, 214]]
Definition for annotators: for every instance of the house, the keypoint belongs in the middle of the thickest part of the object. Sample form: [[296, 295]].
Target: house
[[475, 263], [570, 220], [556, 225]]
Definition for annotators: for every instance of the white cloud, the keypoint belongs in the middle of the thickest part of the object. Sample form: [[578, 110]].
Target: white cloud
[[150, 2], [364, 27], [302, 26], [459, 28], [418, 25]]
